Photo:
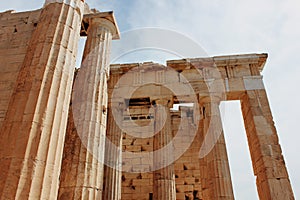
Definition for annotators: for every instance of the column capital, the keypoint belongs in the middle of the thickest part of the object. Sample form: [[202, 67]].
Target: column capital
[[102, 19]]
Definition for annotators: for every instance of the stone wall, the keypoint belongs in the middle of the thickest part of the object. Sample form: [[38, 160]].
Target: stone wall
[[15, 35], [138, 185]]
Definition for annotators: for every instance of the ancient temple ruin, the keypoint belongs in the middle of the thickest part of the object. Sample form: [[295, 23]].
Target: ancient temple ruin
[[122, 131]]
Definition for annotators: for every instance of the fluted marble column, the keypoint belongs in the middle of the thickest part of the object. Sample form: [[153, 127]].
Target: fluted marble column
[[33, 131], [164, 178], [83, 163], [268, 164], [113, 157], [215, 172]]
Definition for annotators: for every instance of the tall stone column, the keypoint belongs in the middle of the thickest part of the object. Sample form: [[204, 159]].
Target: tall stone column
[[82, 168], [268, 164], [215, 172], [164, 178], [113, 157], [33, 130]]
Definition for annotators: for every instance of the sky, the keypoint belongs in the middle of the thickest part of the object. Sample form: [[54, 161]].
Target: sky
[[225, 27]]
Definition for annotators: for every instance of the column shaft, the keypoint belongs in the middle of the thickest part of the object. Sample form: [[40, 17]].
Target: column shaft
[[266, 154], [34, 127], [164, 178], [85, 160], [215, 172], [113, 159]]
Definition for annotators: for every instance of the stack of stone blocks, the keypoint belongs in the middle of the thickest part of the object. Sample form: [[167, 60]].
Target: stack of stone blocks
[[45, 153]]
